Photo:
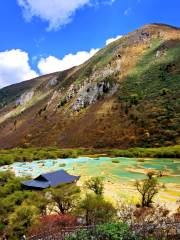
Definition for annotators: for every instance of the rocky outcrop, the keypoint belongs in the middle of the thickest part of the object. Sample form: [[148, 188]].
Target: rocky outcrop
[[143, 35], [24, 98], [52, 82], [92, 92], [161, 51], [72, 91], [93, 87], [112, 68]]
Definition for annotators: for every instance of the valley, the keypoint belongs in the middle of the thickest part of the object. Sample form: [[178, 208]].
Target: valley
[[114, 120]]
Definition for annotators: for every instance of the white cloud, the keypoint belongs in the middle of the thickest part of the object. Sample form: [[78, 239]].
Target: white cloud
[[127, 11], [53, 64], [14, 64], [110, 40], [14, 67], [56, 12]]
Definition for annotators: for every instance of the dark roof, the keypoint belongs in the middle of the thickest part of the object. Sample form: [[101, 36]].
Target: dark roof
[[51, 179], [36, 184], [60, 176]]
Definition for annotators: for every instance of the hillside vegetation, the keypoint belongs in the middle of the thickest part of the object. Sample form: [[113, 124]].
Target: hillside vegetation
[[32, 154], [127, 95]]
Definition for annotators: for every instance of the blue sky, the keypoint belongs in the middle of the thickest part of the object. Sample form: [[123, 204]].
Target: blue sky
[[37, 36]]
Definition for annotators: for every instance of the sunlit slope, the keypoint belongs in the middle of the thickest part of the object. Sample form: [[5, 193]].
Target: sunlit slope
[[124, 96]]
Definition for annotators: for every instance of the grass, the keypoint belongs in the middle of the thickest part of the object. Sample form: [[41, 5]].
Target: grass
[[31, 154], [99, 60], [150, 96], [162, 152]]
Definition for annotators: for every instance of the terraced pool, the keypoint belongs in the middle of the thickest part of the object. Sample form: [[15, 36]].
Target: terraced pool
[[124, 169]]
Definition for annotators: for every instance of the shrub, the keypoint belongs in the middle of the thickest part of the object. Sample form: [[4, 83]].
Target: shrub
[[164, 91], [79, 235], [18, 208], [63, 102], [21, 219], [115, 161], [109, 231], [97, 210], [114, 231], [47, 223], [62, 165], [140, 160]]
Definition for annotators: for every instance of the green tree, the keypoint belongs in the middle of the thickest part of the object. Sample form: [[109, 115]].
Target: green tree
[[97, 210], [40, 200], [95, 184], [5, 177], [21, 219], [148, 188], [65, 197], [16, 204]]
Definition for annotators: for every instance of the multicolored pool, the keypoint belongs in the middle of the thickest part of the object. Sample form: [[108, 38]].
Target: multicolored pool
[[123, 169]]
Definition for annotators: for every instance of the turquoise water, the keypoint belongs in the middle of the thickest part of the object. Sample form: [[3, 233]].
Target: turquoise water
[[127, 169]]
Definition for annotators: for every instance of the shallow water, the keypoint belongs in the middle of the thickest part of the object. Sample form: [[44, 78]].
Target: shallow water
[[127, 169]]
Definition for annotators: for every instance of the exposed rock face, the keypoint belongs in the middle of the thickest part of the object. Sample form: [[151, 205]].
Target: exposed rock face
[[112, 68], [88, 91], [161, 51], [91, 92], [143, 35], [72, 91], [52, 82], [24, 98]]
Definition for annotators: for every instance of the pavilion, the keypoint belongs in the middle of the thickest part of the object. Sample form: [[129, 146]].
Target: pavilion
[[51, 179]]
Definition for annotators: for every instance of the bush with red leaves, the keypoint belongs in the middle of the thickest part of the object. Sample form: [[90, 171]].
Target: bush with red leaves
[[50, 223]]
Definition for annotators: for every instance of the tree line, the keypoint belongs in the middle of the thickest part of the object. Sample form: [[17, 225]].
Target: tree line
[[28, 212]]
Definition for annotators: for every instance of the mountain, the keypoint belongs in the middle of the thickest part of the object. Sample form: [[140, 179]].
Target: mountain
[[126, 95]]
